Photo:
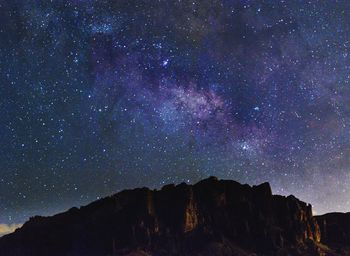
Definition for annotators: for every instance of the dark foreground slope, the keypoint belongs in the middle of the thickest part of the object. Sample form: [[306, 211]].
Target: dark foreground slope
[[335, 228], [212, 217]]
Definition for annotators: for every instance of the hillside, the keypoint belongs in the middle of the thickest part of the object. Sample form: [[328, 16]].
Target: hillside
[[212, 217]]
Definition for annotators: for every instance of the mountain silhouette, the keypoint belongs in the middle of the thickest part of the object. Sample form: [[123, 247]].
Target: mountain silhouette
[[213, 217]]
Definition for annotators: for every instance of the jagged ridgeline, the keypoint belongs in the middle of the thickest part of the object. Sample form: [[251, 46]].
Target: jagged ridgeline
[[212, 217]]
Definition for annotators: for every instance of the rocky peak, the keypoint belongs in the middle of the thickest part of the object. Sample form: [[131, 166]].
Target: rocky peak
[[212, 215]]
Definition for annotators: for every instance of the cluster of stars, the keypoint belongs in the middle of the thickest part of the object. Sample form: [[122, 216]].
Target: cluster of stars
[[98, 96]]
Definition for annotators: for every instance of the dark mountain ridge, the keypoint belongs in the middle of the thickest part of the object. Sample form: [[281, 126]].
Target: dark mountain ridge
[[335, 231], [212, 217]]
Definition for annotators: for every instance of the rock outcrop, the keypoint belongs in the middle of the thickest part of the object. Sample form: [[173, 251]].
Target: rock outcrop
[[335, 231], [212, 217]]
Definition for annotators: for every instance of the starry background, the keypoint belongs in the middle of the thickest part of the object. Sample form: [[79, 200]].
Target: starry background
[[98, 96]]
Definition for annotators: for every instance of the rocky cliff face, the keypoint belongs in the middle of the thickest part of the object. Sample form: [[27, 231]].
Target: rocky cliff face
[[212, 217], [335, 230]]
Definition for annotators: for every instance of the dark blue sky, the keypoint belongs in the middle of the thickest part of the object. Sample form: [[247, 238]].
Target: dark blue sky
[[98, 96]]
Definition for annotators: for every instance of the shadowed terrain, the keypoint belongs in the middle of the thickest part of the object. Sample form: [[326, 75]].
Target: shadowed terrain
[[212, 217]]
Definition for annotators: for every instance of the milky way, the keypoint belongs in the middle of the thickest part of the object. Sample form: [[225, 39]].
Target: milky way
[[98, 96]]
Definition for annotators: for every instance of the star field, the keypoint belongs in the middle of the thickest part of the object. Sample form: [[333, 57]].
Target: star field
[[99, 96]]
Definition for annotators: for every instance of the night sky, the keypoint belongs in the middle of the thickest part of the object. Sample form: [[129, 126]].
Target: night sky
[[98, 96]]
